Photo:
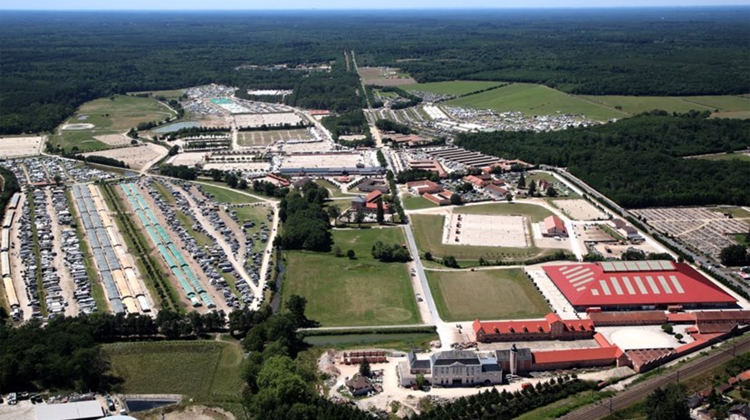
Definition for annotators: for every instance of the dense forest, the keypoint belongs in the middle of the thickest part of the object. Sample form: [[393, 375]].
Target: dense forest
[[639, 162], [52, 62]]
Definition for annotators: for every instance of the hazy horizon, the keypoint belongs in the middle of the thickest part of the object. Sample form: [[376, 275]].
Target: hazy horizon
[[339, 5]]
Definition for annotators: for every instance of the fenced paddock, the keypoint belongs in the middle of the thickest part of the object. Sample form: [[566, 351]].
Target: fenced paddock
[[486, 230], [267, 138]]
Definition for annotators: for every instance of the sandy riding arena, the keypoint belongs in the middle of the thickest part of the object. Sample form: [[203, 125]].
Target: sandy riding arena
[[114, 139], [580, 209], [135, 157], [11, 147], [484, 230]]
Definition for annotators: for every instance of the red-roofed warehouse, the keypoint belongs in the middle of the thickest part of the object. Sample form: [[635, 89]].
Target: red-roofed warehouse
[[636, 285]]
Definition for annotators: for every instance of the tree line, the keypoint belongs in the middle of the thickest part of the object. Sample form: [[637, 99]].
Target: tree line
[[306, 223], [639, 161]]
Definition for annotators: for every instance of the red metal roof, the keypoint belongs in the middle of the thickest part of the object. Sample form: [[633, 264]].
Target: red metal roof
[[532, 325], [554, 222], [576, 355], [589, 285]]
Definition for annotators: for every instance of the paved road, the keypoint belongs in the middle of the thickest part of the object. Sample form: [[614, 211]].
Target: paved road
[[640, 391]]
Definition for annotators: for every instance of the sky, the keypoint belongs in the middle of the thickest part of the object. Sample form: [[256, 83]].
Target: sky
[[342, 4]]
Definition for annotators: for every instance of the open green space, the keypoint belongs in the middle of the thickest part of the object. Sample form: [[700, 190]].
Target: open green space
[[736, 212], [536, 213], [412, 202], [169, 94], [111, 115], [199, 369], [456, 87], [334, 190], [428, 231], [534, 99], [358, 292], [639, 104], [485, 294], [727, 156], [400, 341], [226, 196]]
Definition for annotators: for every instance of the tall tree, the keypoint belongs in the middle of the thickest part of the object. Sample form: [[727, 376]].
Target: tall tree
[[380, 215]]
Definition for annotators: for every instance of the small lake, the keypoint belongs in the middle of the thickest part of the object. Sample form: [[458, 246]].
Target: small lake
[[171, 128]]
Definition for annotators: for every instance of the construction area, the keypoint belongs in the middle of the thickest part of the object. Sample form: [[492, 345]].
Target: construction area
[[486, 230]]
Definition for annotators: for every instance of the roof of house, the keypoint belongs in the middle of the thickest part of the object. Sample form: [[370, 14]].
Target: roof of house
[[373, 196], [721, 316], [446, 358], [496, 188], [554, 222], [358, 382], [634, 283], [607, 318], [358, 199], [744, 376]]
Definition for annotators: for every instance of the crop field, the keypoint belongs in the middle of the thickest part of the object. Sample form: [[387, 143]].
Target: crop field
[[457, 87], [192, 368], [485, 294], [638, 104], [428, 233], [534, 99], [225, 196], [344, 292]]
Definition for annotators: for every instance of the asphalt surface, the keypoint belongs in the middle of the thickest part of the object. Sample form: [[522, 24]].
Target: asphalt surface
[[641, 390]]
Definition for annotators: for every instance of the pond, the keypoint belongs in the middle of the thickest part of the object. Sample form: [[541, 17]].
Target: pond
[[135, 405], [171, 128]]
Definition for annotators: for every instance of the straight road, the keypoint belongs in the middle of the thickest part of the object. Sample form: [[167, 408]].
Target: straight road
[[640, 391]]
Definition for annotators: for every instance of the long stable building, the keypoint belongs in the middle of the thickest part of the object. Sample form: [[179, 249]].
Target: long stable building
[[636, 285]]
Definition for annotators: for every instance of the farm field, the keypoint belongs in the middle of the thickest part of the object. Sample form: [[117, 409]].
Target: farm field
[[485, 294], [109, 116], [534, 99], [225, 196], [428, 231], [457, 87], [344, 292], [193, 368], [639, 104]]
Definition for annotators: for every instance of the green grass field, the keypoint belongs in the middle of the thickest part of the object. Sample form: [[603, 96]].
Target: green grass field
[[457, 87], [411, 202], [196, 369], [227, 196], [736, 212], [723, 106], [536, 213], [109, 117], [485, 294], [344, 292], [169, 94], [403, 342], [534, 99], [727, 156], [428, 231]]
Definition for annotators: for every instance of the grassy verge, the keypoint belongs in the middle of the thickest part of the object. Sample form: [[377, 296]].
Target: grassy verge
[[611, 232], [402, 342], [333, 189], [164, 193], [560, 408], [345, 292], [534, 212], [486, 294]]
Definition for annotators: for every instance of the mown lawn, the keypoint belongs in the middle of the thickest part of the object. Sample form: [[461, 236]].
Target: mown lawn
[[411, 202], [534, 212], [485, 294], [344, 292]]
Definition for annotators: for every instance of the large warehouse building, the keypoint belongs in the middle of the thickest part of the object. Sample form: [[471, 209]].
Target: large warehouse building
[[636, 285]]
